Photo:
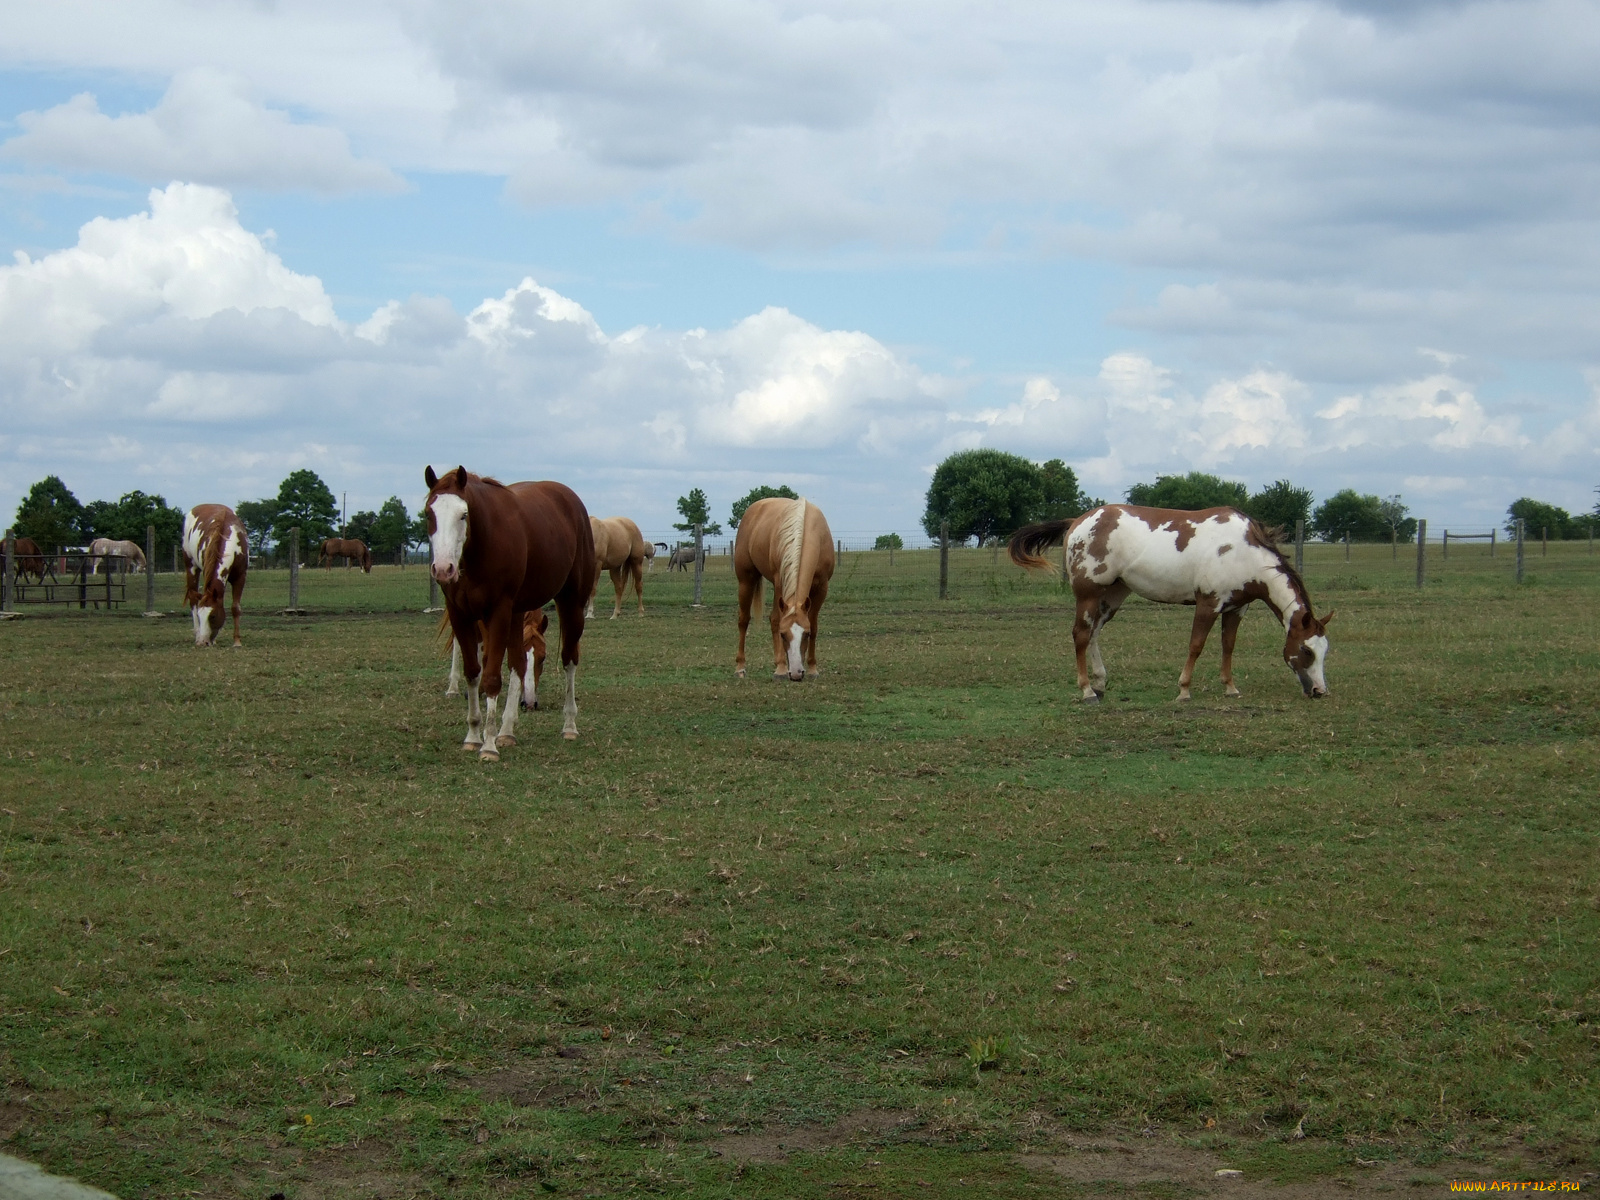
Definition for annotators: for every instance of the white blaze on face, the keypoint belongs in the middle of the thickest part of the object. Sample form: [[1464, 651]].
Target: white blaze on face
[[1319, 657], [797, 666], [202, 625], [449, 535]]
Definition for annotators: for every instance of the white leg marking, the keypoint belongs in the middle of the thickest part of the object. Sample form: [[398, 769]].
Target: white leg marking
[[569, 707], [454, 687], [474, 737], [508, 724]]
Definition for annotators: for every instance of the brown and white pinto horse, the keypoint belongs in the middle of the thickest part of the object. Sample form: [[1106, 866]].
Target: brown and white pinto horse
[[103, 550], [499, 552], [1217, 559], [534, 626], [619, 548], [352, 550], [217, 555], [789, 543]]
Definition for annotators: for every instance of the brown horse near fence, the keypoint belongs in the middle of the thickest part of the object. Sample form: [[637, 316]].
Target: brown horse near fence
[[499, 552], [29, 560], [619, 548], [788, 542], [352, 550]]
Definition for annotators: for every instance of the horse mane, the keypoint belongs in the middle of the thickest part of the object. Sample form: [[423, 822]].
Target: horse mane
[[1268, 537], [791, 539]]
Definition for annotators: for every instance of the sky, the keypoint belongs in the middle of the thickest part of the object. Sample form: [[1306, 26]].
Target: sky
[[647, 246]]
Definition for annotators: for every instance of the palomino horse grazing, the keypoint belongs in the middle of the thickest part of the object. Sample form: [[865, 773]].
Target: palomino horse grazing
[[29, 559], [217, 555], [1217, 559], [619, 548], [789, 543], [534, 625], [352, 550], [650, 549], [101, 550], [500, 552]]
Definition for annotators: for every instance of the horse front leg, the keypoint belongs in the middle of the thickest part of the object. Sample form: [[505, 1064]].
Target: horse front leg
[[636, 565], [818, 595], [490, 681], [749, 596], [472, 669], [1205, 616], [780, 657], [571, 617], [517, 651], [453, 687], [1230, 634], [238, 587]]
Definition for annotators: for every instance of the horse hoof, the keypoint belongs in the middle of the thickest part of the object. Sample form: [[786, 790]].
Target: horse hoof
[[504, 740], [1184, 697], [487, 755], [1094, 698], [452, 692], [471, 747], [739, 674], [571, 737]]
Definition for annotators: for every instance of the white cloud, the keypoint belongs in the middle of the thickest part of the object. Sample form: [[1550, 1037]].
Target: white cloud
[[208, 127]]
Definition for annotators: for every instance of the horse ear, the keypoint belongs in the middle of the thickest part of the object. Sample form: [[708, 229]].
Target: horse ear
[[429, 477], [461, 477], [1328, 617]]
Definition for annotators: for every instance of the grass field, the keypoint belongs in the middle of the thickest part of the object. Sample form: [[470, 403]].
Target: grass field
[[918, 927]]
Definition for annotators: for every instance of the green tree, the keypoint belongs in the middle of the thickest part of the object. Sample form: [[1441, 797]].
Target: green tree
[[1401, 526], [695, 509], [360, 527], [51, 515], [782, 491], [1279, 505], [391, 530], [983, 494], [130, 515], [1349, 512], [1537, 515], [304, 500], [1195, 490], [1063, 497], [889, 541], [257, 517]]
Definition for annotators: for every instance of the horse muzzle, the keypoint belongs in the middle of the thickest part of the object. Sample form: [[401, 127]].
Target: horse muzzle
[[446, 572], [797, 676]]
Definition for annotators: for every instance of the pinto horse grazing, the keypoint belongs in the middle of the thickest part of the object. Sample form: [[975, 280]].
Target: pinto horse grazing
[[788, 542], [349, 549], [500, 552], [1216, 559], [619, 548], [534, 625], [101, 550], [217, 555]]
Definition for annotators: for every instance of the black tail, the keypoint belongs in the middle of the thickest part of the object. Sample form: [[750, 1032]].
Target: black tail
[[1027, 542]]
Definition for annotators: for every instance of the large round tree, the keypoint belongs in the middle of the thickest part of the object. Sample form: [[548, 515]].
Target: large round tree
[[983, 494]]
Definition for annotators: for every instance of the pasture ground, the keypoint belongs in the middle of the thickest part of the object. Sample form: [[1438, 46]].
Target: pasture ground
[[922, 927]]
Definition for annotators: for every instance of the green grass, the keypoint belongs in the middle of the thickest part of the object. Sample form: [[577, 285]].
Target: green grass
[[241, 888]]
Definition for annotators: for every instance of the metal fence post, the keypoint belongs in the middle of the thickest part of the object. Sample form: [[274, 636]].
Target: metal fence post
[[149, 570], [1520, 531], [1299, 546], [5, 584], [1422, 550], [699, 561], [944, 559], [294, 569]]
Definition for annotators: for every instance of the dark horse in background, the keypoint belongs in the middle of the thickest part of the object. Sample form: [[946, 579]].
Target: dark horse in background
[[28, 559], [352, 550], [501, 551]]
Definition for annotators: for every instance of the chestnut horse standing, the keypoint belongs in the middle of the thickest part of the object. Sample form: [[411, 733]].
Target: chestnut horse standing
[[217, 553], [1217, 559], [789, 543], [348, 549], [619, 548], [499, 552]]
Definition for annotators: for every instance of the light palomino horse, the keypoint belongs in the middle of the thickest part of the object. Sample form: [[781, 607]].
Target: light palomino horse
[[102, 550], [499, 552], [1216, 559], [789, 543], [619, 548], [534, 625], [217, 555]]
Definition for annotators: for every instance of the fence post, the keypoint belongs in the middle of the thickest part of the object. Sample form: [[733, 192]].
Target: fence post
[[1591, 540], [944, 559], [1299, 547], [149, 570], [175, 551], [1520, 524], [1491, 541], [10, 558], [294, 569], [1544, 540], [1422, 550], [699, 561], [1447, 544], [433, 584], [1347, 545]]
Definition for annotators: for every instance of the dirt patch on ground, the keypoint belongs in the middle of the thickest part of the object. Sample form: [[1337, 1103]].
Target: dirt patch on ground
[[538, 1084], [775, 1145], [363, 1171], [1118, 1163]]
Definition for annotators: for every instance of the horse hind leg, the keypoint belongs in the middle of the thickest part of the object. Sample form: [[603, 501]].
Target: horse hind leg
[[1084, 627], [1109, 604]]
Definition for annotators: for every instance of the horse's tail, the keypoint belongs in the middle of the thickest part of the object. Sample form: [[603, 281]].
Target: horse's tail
[[1027, 542], [445, 635]]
